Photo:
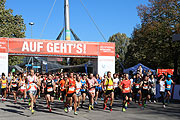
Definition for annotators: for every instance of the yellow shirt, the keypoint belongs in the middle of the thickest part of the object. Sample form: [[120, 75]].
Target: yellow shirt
[[109, 84], [3, 83]]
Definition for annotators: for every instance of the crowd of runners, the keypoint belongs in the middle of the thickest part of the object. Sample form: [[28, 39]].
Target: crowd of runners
[[72, 89]]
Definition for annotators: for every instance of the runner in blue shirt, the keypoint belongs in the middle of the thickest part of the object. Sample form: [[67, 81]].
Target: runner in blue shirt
[[168, 84]]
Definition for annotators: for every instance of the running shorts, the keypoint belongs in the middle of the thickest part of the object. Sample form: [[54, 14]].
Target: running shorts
[[108, 92], [145, 93], [126, 94], [33, 92], [70, 95]]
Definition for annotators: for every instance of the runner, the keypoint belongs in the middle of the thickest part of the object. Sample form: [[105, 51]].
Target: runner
[[14, 87], [98, 88], [145, 90], [152, 90], [103, 84], [4, 84], [78, 92], [38, 95], [109, 91], [168, 83], [125, 86], [136, 89], [22, 85], [83, 90], [62, 89], [162, 89], [56, 81], [9, 78], [92, 83], [50, 85], [32, 89], [71, 94], [116, 88]]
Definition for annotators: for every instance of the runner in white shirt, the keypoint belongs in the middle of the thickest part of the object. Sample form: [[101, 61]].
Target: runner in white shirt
[[32, 89], [162, 89], [22, 85], [78, 92], [116, 87]]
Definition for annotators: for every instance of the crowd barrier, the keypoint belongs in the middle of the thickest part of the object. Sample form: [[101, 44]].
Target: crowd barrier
[[175, 91]]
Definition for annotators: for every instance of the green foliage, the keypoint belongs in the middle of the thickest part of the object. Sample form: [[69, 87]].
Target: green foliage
[[78, 61], [121, 42], [11, 26], [14, 60], [151, 42]]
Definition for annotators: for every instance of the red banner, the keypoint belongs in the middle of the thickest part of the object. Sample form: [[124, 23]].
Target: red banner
[[56, 47], [165, 71]]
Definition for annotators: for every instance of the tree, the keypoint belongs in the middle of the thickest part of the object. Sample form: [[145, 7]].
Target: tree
[[121, 44], [11, 26], [151, 42]]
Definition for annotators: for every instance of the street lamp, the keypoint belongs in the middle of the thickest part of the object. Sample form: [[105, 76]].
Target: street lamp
[[31, 24]]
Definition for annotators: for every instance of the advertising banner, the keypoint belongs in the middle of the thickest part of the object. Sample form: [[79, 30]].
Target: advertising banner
[[165, 71], [4, 63], [105, 64], [56, 47]]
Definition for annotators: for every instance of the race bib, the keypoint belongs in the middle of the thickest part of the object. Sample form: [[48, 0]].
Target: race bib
[[49, 89], [115, 84], [92, 91], [77, 91], [110, 87], [137, 86], [14, 85], [71, 89], [168, 86], [127, 88], [145, 87]]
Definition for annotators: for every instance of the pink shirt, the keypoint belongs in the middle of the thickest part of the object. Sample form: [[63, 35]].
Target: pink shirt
[[91, 82]]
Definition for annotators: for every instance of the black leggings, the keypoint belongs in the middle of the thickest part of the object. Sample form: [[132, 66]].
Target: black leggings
[[163, 97]]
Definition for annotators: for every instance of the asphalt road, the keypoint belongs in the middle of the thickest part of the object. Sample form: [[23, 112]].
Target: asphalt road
[[20, 111]]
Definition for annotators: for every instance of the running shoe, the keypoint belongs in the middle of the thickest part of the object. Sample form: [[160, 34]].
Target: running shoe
[[69, 109], [144, 105], [105, 106], [139, 104], [92, 107], [126, 105], [77, 109], [32, 111], [95, 102], [50, 110], [110, 107], [123, 109], [48, 106], [29, 103], [164, 106], [65, 109], [59, 99], [75, 113], [89, 107], [30, 108]]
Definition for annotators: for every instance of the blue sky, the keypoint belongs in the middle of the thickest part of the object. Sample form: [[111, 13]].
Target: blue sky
[[111, 16]]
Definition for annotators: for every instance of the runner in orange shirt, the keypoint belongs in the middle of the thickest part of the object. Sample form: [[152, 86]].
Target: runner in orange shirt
[[62, 88]]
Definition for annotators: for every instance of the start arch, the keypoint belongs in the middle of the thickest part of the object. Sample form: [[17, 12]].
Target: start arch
[[104, 52]]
